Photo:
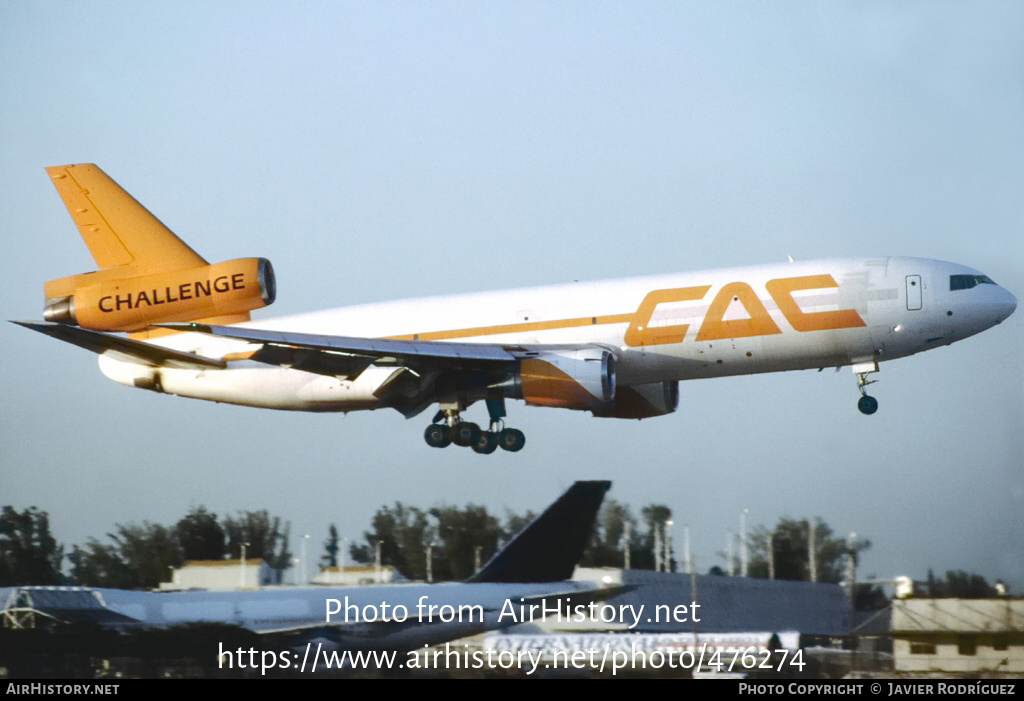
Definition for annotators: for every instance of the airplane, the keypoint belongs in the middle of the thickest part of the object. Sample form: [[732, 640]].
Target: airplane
[[616, 348], [532, 568]]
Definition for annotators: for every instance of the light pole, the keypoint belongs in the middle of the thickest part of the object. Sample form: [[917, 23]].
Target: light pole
[[668, 546], [430, 562], [687, 566], [812, 550], [743, 543], [657, 548], [241, 570], [625, 544], [305, 569]]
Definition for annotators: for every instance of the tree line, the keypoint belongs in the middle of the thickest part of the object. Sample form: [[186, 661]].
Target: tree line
[[137, 556], [134, 556]]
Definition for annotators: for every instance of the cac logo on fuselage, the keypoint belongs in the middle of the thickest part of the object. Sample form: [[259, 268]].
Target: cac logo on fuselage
[[758, 322]]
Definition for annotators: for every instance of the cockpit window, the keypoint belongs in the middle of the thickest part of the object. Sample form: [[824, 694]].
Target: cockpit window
[[966, 282]]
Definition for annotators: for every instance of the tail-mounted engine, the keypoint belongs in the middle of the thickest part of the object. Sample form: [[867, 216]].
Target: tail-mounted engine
[[104, 302]]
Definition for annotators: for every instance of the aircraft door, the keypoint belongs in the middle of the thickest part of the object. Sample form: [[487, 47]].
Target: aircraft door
[[914, 294]]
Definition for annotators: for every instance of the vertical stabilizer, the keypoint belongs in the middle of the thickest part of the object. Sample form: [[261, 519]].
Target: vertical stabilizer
[[548, 549], [146, 274], [117, 229]]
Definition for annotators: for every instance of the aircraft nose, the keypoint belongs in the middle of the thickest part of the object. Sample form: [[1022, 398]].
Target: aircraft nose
[[1006, 305]]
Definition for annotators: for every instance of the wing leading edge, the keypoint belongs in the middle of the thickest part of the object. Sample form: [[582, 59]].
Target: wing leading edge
[[124, 349]]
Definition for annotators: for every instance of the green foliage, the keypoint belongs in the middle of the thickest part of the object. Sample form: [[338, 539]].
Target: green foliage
[[402, 533], [264, 536], [959, 585], [28, 552], [141, 557], [200, 535], [608, 541], [654, 517], [459, 534], [789, 542], [405, 532], [331, 548]]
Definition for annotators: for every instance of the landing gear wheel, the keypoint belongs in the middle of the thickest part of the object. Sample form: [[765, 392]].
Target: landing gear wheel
[[465, 434], [437, 436], [512, 440], [867, 405], [487, 444]]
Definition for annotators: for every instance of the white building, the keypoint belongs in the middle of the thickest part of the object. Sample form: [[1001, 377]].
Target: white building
[[215, 575], [357, 576], [964, 636]]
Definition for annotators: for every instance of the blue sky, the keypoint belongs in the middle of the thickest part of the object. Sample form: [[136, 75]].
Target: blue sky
[[380, 151]]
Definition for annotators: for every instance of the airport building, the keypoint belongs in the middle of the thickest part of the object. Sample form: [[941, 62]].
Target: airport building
[[961, 636], [357, 575], [221, 575]]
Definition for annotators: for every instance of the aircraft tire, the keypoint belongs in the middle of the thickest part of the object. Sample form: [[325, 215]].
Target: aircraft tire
[[487, 444], [512, 440], [867, 404], [437, 436], [465, 434]]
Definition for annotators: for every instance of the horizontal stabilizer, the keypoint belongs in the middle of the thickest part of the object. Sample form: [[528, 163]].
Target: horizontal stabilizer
[[549, 548], [124, 349]]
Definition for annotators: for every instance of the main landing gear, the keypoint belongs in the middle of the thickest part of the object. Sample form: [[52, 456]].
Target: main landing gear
[[448, 427], [867, 404]]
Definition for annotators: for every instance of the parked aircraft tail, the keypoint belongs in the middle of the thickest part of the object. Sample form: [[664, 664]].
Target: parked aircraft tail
[[548, 549]]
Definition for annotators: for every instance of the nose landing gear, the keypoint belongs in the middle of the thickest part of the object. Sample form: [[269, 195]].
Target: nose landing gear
[[867, 404]]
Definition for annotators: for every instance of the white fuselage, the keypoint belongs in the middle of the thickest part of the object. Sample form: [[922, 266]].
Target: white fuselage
[[737, 321]]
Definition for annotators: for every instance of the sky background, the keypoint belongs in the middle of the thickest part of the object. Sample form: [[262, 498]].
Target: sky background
[[377, 151]]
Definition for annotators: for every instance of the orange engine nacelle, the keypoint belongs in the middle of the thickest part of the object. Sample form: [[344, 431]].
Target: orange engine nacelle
[[133, 303], [582, 379]]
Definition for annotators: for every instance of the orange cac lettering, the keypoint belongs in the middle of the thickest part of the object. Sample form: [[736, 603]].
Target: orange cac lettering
[[782, 290], [715, 327], [640, 333]]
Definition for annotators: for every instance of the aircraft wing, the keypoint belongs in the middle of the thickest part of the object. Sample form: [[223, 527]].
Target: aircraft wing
[[122, 348], [337, 355], [428, 368], [378, 348]]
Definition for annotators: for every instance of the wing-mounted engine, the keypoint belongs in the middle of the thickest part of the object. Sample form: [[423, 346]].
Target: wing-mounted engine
[[643, 401], [571, 379]]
